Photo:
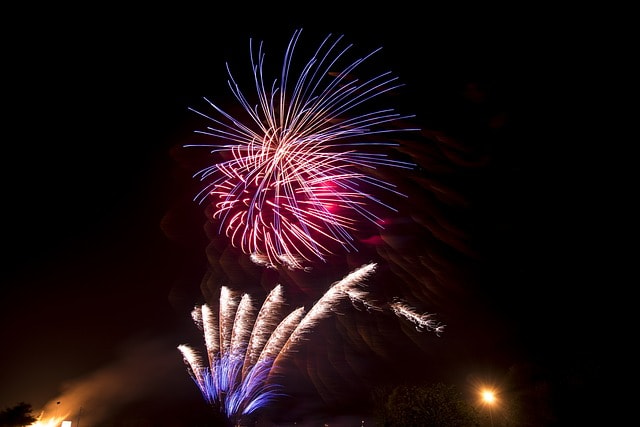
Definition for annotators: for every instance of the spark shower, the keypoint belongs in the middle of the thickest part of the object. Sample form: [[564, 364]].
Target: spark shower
[[243, 349], [290, 181]]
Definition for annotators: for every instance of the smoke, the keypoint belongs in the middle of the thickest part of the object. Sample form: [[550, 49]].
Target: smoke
[[145, 370]]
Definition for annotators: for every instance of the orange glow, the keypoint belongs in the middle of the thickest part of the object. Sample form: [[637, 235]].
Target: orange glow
[[488, 397], [49, 422], [486, 390]]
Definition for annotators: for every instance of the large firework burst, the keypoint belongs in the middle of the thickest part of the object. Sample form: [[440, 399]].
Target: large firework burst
[[291, 179]]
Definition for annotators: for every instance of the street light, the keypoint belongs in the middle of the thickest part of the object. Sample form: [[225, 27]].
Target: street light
[[489, 398]]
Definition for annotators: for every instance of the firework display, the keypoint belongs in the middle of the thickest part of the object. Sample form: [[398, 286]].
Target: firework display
[[283, 217], [291, 179]]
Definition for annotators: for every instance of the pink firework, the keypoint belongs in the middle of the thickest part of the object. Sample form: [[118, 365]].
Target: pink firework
[[292, 179]]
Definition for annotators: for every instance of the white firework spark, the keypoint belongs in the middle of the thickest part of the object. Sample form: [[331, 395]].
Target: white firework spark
[[326, 305], [266, 322], [423, 321]]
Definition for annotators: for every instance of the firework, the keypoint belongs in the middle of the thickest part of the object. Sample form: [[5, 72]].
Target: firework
[[291, 179], [422, 321], [245, 347]]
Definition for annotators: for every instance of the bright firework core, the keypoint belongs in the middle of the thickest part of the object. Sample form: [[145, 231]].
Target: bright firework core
[[291, 180]]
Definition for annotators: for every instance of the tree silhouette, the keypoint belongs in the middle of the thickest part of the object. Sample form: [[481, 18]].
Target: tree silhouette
[[17, 416], [423, 405]]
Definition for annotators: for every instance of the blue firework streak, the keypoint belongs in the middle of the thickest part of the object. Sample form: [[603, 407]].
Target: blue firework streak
[[223, 384], [291, 179], [244, 348]]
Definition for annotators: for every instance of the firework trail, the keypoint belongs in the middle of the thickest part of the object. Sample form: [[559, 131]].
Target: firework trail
[[423, 321], [321, 309], [289, 182], [246, 347]]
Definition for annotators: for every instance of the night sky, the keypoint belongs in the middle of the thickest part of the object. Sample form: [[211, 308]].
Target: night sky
[[105, 252]]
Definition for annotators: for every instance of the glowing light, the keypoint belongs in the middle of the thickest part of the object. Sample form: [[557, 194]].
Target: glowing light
[[48, 422], [56, 420], [290, 180], [488, 397], [244, 350]]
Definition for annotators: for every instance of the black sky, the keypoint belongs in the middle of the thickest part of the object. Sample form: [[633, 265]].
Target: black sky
[[104, 252]]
